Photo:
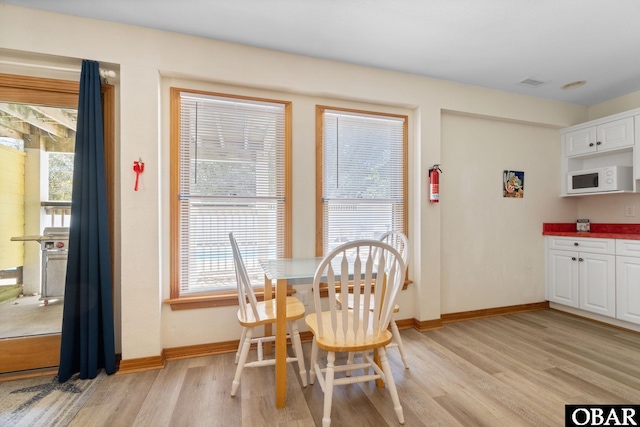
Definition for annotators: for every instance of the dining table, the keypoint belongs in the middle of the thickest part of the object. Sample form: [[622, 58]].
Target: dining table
[[284, 272]]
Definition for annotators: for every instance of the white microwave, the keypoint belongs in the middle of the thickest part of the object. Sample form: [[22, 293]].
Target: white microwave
[[606, 178]]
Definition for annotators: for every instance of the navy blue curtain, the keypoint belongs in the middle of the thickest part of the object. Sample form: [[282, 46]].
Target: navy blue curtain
[[87, 320]]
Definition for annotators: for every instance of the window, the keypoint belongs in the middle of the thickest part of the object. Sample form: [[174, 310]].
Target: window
[[57, 200], [60, 176], [229, 160], [48, 133], [362, 191]]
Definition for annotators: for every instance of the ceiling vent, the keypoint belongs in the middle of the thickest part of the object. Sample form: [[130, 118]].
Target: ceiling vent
[[531, 82]]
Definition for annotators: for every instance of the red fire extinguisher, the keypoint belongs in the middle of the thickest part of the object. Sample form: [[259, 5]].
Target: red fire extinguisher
[[434, 184]]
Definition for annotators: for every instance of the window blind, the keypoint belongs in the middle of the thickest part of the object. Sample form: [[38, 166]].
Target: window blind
[[363, 181], [232, 171]]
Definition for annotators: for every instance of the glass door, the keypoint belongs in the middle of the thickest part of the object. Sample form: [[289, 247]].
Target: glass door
[[37, 139]]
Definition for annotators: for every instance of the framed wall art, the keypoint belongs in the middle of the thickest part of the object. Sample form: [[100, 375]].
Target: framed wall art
[[513, 184]]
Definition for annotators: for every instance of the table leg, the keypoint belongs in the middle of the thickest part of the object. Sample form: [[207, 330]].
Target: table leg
[[281, 343], [268, 289], [376, 359]]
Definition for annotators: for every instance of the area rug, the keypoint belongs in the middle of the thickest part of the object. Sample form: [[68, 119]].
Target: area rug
[[44, 401]]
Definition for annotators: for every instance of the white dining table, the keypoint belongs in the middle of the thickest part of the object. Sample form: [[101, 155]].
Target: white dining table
[[284, 271]]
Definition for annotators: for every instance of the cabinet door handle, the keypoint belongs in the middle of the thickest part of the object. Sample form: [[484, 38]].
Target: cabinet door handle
[[575, 243], [591, 144], [573, 258], [599, 143], [580, 259]]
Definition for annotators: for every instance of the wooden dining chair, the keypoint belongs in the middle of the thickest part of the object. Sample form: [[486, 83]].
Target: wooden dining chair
[[399, 241], [358, 329], [253, 313]]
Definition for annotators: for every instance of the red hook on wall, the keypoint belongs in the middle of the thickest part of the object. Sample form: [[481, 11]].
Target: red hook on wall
[[138, 168]]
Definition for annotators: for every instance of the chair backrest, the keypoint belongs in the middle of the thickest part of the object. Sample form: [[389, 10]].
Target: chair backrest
[[245, 290], [399, 241], [360, 262]]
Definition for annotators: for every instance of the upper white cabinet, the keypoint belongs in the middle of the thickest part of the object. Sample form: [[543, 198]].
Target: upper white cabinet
[[609, 141], [601, 138]]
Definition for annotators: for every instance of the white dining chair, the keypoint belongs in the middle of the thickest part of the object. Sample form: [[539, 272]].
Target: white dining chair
[[253, 313], [358, 329], [399, 241]]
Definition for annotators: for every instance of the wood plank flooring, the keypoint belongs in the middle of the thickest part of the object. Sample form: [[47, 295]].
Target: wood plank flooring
[[513, 370]]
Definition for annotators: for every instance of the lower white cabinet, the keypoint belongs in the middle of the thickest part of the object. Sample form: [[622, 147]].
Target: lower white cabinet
[[580, 278], [562, 277], [597, 290], [628, 280]]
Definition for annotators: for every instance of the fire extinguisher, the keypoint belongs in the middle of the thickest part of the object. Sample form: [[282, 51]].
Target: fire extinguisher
[[434, 185]]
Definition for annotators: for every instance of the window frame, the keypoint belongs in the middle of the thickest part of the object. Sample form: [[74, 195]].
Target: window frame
[[320, 110], [223, 297]]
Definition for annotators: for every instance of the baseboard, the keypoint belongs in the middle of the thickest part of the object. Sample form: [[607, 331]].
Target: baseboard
[[187, 352], [176, 353], [490, 312], [129, 366], [405, 323], [306, 336], [419, 325]]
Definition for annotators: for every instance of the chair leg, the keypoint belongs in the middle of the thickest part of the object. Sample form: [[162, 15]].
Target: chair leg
[[328, 389], [398, 339], [366, 358], [244, 352], [349, 362], [314, 361], [388, 377], [240, 343], [297, 349]]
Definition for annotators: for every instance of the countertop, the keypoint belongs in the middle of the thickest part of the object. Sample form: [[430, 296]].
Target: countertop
[[601, 231]]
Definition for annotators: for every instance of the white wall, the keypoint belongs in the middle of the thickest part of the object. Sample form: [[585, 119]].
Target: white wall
[[144, 58], [614, 106], [609, 208], [492, 246]]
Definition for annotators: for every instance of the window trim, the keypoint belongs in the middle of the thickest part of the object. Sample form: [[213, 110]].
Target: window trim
[[320, 110], [226, 297]]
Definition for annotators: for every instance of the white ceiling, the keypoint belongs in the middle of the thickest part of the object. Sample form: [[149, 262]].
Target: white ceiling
[[489, 43]]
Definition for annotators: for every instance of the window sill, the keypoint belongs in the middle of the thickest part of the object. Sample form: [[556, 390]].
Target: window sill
[[230, 298], [218, 299]]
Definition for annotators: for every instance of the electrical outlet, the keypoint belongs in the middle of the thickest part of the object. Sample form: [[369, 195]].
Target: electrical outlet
[[630, 210], [304, 297]]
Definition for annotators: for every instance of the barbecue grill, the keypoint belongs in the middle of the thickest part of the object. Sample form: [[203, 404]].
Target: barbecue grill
[[54, 244]]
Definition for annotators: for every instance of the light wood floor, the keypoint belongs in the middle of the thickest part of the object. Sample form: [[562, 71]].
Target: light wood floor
[[514, 370]]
